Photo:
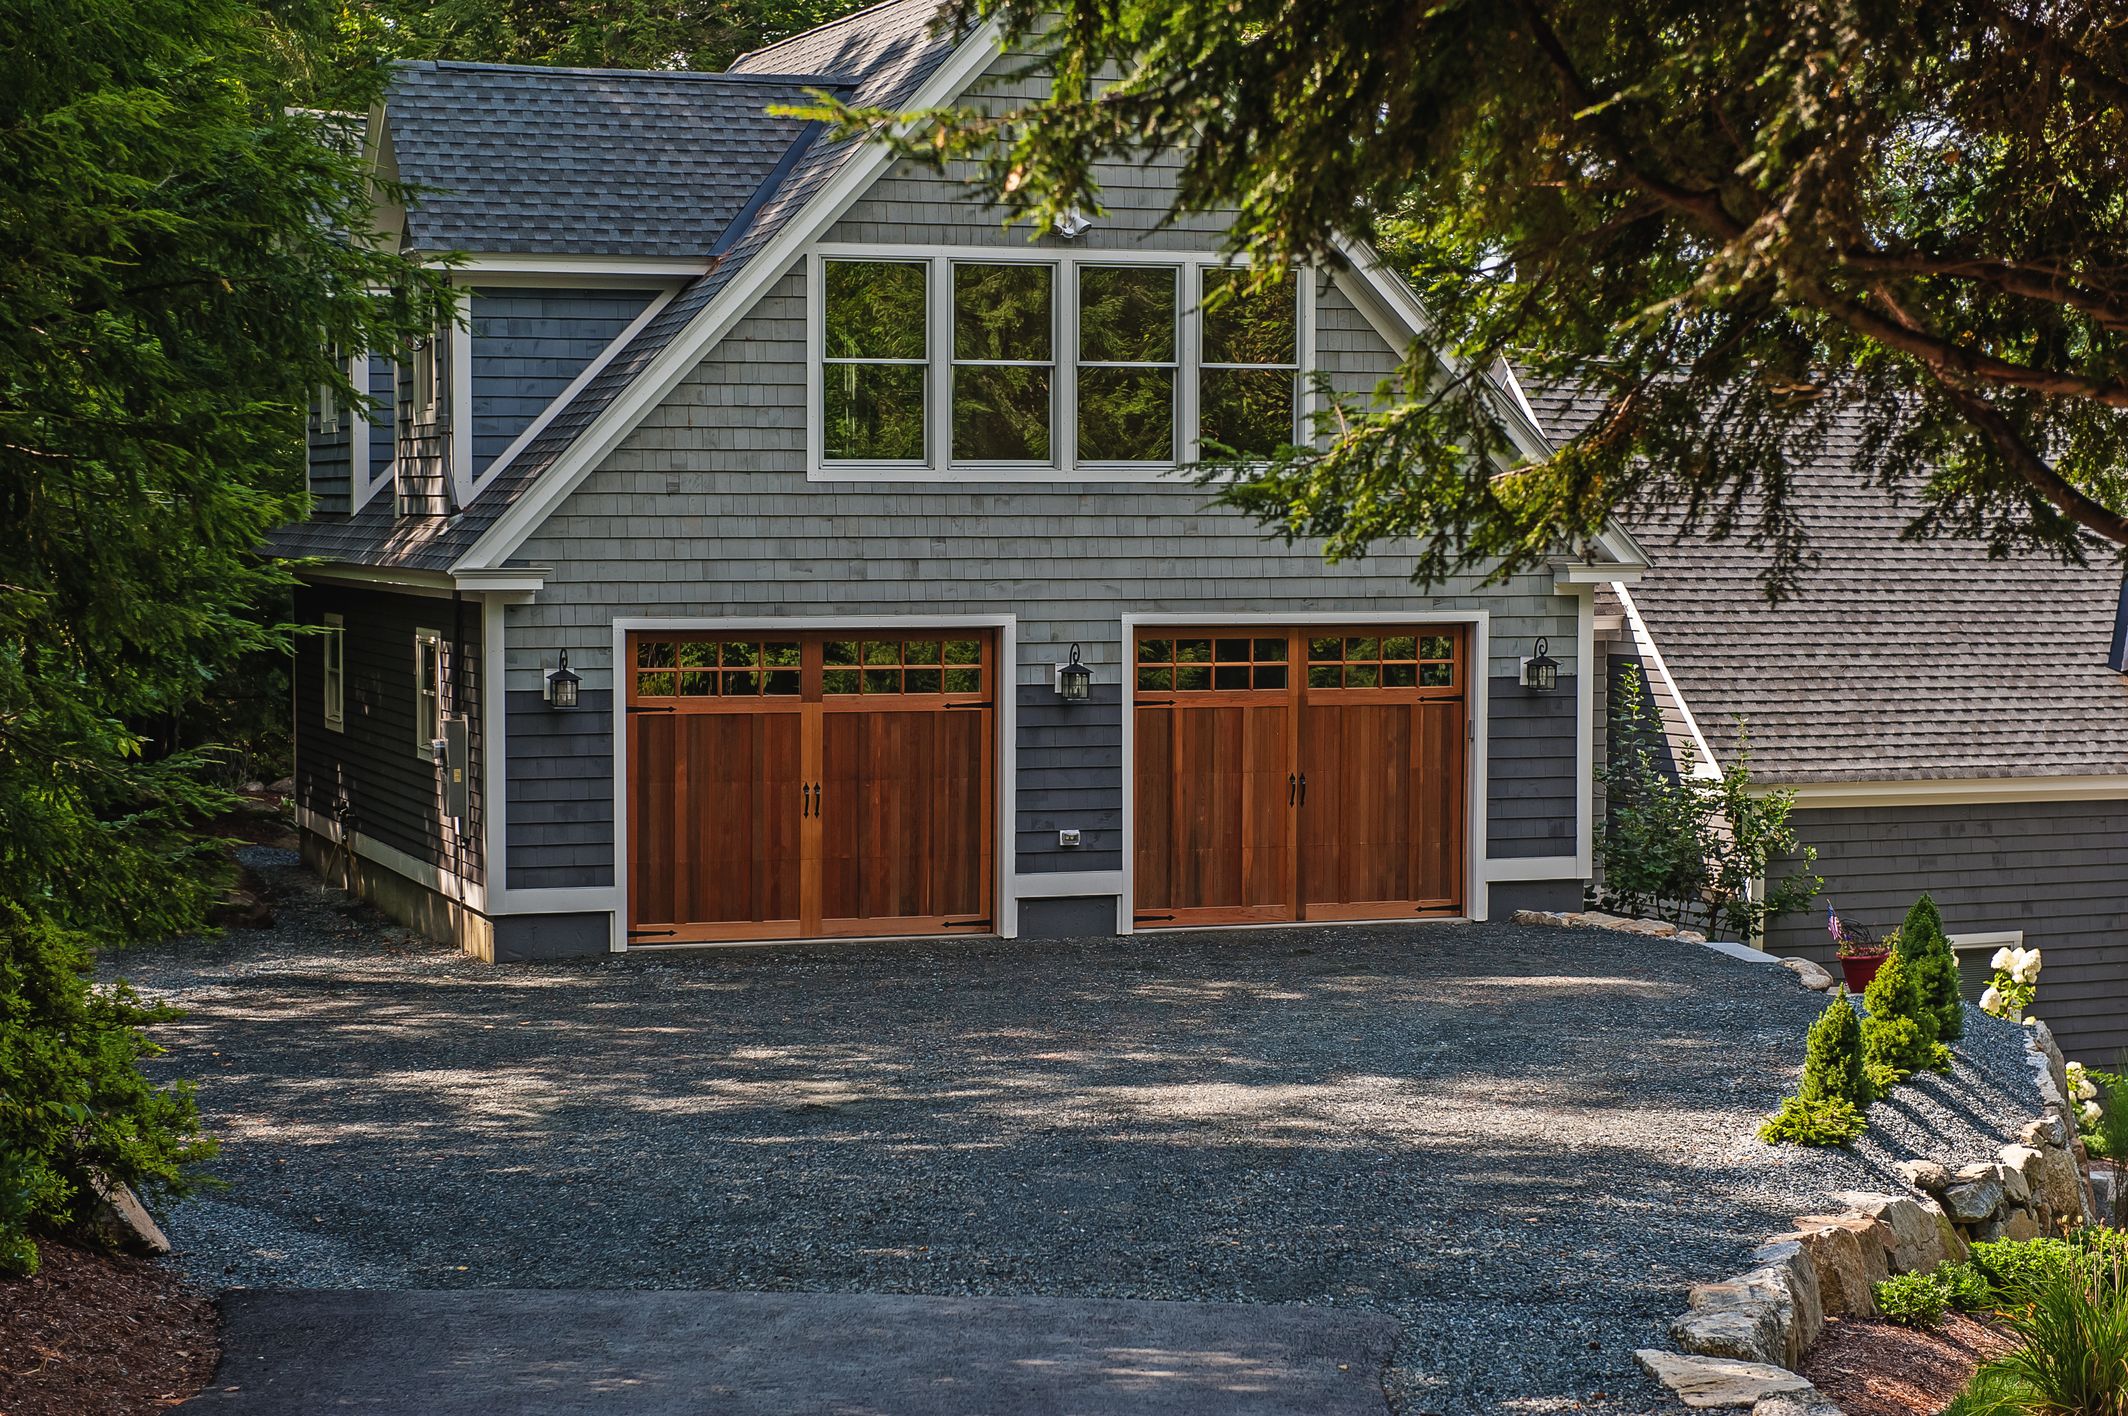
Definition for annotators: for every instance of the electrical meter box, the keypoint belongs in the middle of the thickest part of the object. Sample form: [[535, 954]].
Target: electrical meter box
[[458, 744]]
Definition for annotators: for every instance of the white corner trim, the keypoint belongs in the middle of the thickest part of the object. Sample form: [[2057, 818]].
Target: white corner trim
[[494, 778], [678, 358], [1069, 884], [1970, 791], [1586, 688], [1707, 766], [592, 370], [460, 409], [453, 887]]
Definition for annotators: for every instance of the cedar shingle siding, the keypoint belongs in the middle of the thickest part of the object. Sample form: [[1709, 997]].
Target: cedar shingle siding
[[2056, 870]]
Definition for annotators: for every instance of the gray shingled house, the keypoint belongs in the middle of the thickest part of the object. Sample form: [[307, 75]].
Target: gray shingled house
[[779, 548], [1948, 722]]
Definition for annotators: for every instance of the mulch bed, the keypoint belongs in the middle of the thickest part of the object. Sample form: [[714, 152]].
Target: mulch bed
[[97, 1335], [1882, 1369]]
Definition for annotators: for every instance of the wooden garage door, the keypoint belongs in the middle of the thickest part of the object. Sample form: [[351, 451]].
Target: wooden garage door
[[1285, 774], [818, 784]]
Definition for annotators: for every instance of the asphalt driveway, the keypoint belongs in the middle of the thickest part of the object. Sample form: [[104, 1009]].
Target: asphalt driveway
[[1521, 1144]]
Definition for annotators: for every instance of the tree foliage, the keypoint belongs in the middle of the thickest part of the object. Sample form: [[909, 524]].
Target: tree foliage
[[174, 282], [598, 34], [1729, 219], [1836, 1090]]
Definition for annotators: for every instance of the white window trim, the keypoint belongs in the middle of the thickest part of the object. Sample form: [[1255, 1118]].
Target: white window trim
[[1064, 464], [424, 743], [1989, 941], [333, 675]]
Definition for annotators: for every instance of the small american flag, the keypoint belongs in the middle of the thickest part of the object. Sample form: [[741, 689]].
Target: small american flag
[[1832, 922]]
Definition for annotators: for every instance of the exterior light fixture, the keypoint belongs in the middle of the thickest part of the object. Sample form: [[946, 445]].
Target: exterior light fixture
[[1071, 223], [1075, 681], [561, 685], [1540, 672]]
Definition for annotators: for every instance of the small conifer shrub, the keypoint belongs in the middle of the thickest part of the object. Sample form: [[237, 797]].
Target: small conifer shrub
[[1827, 1108], [1935, 966]]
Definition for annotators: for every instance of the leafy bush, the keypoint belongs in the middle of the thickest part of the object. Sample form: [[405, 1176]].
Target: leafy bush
[[2071, 1357], [2018, 1270], [1913, 1299], [1899, 1035], [1691, 849], [1935, 967]]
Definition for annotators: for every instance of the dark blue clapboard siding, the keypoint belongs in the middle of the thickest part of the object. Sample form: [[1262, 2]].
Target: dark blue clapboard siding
[[527, 347]]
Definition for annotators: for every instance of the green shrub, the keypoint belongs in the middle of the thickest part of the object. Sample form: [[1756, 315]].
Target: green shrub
[[1899, 1035], [2017, 1270], [2071, 1357], [1913, 1299], [1935, 969], [72, 1097], [1832, 1060], [1831, 1122]]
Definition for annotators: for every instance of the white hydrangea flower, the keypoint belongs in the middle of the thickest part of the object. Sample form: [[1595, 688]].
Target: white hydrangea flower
[[2076, 1073], [2001, 960], [2091, 1113], [2024, 965], [2086, 1091], [1991, 1001]]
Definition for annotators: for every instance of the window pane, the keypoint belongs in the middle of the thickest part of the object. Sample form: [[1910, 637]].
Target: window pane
[[840, 651], [964, 680], [920, 681], [1248, 328], [1246, 411], [1271, 649], [697, 683], [964, 651], [838, 681], [1437, 675], [1399, 675], [1156, 651], [782, 681], [882, 651], [1231, 676], [1127, 314], [1000, 414], [653, 653], [882, 680], [1126, 415], [1001, 312], [1156, 678], [873, 411], [1231, 650], [1400, 646], [875, 310], [1437, 646], [1270, 675]]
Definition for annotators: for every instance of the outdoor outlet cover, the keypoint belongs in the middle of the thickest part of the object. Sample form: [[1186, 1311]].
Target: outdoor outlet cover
[[1068, 837]]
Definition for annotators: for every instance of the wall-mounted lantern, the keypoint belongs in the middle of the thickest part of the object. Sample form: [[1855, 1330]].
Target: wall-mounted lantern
[[562, 685], [1075, 682], [1540, 672], [1071, 223]]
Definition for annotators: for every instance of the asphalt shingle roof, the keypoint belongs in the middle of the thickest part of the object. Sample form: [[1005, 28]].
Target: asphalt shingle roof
[[1898, 660], [879, 56], [585, 161]]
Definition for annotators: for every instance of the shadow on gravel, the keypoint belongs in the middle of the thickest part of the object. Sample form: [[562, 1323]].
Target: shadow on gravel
[[1522, 1144]]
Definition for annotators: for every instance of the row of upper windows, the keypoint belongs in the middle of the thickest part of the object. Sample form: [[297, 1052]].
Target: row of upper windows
[[1052, 364]]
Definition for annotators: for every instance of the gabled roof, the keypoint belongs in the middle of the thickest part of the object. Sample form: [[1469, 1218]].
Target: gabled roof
[[1899, 659], [594, 161], [879, 56]]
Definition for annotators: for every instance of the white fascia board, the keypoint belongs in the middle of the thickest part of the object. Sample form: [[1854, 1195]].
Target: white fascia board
[[559, 268], [1970, 791], [1708, 766], [720, 315], [1566, 575], [524, 579], [373, 577]]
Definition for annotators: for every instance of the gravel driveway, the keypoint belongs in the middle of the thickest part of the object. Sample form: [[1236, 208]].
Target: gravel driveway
[[1521, 1143]]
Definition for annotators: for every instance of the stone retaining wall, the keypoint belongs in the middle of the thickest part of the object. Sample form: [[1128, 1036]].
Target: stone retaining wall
[[1744, 1338]]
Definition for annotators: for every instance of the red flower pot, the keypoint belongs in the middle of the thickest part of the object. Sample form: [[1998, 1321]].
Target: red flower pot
[[1861, 968]]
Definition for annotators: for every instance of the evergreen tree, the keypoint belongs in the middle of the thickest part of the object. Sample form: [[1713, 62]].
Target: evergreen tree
[[1899, 1035], [1833, 1068], [1731, 222], [175, 280], [1935, 966]]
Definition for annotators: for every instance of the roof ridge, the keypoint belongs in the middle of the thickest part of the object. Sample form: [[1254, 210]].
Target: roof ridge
[[837, 23], [560, 70]]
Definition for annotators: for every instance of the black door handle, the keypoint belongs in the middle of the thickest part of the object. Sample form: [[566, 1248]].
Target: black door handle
[[1304, 789], [1289, 789], [805, 799]]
